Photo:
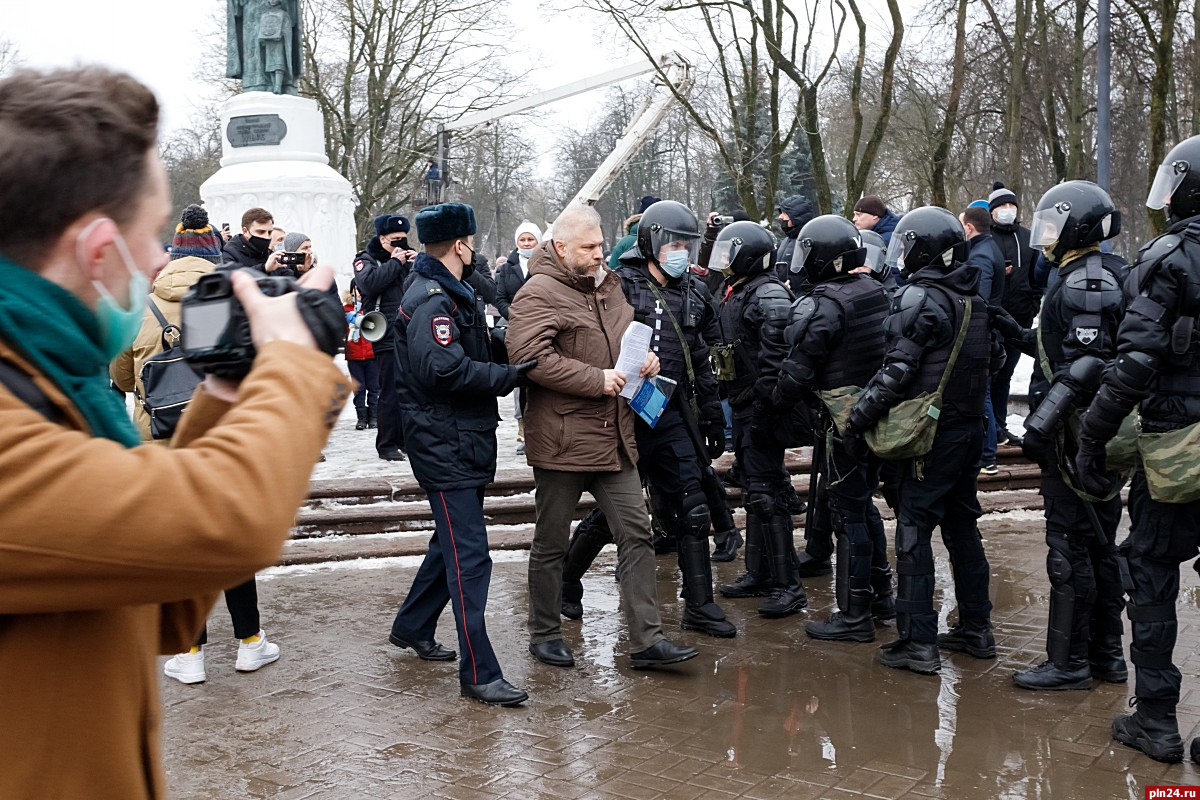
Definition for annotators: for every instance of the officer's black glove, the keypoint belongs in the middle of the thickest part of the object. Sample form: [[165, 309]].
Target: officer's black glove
[[714, 437], [1091, 468], [523, 369], [1038, 448], [854, 444]]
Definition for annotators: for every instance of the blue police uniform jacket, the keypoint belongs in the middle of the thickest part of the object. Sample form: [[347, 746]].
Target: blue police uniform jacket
[[446, 380]]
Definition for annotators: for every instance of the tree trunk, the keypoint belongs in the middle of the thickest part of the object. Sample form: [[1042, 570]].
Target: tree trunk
[[941, 153]]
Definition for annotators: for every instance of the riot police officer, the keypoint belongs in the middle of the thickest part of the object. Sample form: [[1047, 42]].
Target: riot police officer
[[380, 271], [1157, 369], [938, 307], [1077, 332], [448, 386], [659, 284], [835, 338], [753, 317]]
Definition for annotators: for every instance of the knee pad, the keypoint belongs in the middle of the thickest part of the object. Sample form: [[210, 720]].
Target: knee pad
[[761, 505], [1058, 564], [696, 516]]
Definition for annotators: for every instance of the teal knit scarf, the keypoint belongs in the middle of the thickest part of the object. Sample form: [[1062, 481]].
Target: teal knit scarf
[[59, 336]]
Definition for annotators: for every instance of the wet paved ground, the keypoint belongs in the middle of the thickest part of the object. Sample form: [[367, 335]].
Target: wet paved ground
[[769, 714]]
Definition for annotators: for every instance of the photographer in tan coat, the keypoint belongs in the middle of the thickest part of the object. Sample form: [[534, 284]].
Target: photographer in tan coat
[[112, 552]]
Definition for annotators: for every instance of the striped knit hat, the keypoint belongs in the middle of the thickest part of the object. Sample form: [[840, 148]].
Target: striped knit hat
[[195, 237]]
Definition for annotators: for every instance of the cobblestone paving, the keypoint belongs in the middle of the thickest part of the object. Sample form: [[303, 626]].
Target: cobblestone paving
[[769, 714]]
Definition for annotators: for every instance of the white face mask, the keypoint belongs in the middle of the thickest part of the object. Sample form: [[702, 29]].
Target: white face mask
[[1006, 216]]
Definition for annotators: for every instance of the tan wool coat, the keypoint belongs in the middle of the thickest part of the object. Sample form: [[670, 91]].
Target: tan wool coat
[[573, 328], [110, 556]]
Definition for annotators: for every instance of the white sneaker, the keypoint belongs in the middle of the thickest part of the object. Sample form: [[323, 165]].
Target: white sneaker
[[256, 654], [186, 667]]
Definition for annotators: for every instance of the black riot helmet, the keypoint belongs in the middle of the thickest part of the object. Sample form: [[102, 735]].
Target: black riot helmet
[[742, 248], [1072, 215], [924, 237], [664, 222], [876, 248], [1177, 184], [827, 246]]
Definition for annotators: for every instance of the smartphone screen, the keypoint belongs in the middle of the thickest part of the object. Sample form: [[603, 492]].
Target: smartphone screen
[[205, 324]]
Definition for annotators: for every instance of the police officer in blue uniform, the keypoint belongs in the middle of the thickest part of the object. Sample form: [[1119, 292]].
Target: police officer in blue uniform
[[448, 386], [380, 271], [835, 336], [938, 489]]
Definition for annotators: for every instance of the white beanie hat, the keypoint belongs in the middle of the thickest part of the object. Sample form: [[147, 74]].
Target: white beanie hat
[[528, 227]]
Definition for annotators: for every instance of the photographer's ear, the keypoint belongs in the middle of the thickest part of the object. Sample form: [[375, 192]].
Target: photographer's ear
[[93, 237]]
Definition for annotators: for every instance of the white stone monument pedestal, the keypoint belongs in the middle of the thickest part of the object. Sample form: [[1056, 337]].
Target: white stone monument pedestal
[[273, 156]]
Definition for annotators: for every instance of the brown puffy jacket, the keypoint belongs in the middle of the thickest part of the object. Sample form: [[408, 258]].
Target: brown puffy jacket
[[573, 328]]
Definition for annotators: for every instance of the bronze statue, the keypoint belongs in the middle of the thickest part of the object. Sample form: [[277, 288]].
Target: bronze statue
[[264, 45]]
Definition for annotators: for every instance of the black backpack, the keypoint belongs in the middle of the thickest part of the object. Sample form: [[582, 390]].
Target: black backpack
[[168, 382]]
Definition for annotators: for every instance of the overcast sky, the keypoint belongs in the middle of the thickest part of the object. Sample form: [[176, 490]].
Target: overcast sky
[[162, 42]]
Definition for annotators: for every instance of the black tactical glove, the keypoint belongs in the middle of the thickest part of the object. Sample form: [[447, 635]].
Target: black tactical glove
[[523, 370], [714, 437], [854, 444], [1091, 468], [1038, 448]]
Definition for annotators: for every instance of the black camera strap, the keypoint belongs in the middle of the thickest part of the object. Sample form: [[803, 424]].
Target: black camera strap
[[23, 387]]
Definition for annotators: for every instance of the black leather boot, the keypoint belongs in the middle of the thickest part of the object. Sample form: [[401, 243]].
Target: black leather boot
[[726, 545], [700, 613], [788, 597], [590, 537], [852, 622], [971, 636], [1151, 728], [1051, 677], [754, 582], [361, 425], [1106, 657], [372, 418]]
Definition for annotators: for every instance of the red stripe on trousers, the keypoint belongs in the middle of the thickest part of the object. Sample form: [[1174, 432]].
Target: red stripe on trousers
[[461, 602]]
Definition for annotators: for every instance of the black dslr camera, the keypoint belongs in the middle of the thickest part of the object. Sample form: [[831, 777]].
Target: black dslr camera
[[216, 333]]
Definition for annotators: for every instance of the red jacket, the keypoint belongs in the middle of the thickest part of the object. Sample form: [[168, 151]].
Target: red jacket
[[360, 350]]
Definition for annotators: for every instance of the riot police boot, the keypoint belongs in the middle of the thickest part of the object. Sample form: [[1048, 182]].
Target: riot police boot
[[1151, 728], [1106, 658], [700, 613], [810, 567], [852, 585], [590, 537], [726, 545], [972, 636], [1051, 677], [788, 596], [754, 582], [883, 602], [361, 425], [920, 657]]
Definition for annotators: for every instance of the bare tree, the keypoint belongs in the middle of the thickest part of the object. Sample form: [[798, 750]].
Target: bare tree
[[385, 75]]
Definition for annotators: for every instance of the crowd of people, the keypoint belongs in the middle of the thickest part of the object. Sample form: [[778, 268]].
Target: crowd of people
[[885, 342]]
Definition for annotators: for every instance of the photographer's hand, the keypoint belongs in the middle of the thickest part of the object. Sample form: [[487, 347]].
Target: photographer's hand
[[272, 262]]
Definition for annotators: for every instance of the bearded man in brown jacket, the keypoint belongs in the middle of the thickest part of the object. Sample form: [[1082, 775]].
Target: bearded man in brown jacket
[[113, 552], [570, 317]]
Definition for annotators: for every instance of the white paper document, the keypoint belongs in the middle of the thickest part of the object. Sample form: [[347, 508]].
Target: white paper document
[[635, 343]]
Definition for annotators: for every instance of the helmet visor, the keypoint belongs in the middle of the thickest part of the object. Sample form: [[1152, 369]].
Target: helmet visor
[[799, 255], [1166, 181], [665, 240], [875, 259], [1048, 224], [722, 255], [897, 248]]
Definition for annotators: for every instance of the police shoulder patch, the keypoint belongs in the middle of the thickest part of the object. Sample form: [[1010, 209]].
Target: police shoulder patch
[[359, 264], [442, 327]]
